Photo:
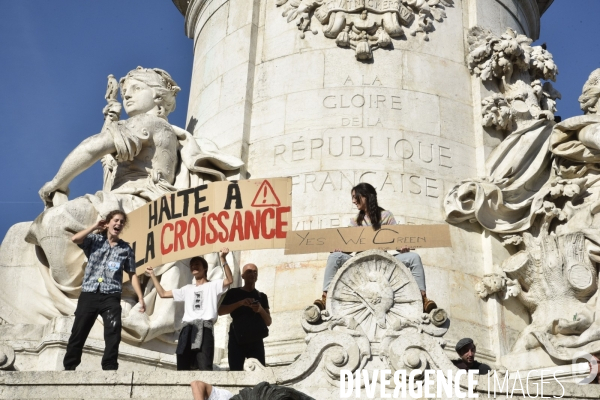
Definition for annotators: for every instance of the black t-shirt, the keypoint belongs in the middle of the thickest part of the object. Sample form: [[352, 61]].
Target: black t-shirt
[[483, 368], [244, 313]]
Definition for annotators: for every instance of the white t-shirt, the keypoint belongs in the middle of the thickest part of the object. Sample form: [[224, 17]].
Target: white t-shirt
[[220, 394], [200, 302]]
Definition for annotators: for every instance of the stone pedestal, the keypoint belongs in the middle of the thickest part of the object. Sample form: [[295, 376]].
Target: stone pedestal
[[43, 347]]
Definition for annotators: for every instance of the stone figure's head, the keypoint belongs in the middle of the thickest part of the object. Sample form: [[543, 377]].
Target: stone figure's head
[[147, 89], [198, 267], [591, 94]]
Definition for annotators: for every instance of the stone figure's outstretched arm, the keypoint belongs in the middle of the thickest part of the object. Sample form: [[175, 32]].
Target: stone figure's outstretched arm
[[81, 158]]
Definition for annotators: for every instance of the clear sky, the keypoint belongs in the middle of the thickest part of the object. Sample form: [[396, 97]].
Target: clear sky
[[56, 55]]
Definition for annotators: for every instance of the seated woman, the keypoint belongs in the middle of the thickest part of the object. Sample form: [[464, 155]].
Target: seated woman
[[364, 197]]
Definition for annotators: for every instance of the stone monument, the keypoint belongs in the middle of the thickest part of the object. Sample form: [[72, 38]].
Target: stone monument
[[416, 97], [333, 93]]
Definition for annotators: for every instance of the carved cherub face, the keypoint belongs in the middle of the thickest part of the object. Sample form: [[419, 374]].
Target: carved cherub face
[[138, 98]]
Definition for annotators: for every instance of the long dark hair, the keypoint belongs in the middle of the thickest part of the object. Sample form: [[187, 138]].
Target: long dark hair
[[373, 210]]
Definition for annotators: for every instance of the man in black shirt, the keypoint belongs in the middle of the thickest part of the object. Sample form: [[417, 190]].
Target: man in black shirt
[[466, 350], [250, 316]]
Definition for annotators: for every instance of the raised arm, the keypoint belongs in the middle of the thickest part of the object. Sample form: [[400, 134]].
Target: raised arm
[[79, 237], [81, 158], [228, 276], [159, 289]]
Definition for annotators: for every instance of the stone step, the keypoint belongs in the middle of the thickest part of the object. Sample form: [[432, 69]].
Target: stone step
[[170, 385]]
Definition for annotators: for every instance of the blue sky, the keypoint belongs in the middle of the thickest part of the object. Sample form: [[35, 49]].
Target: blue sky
[[56, 56]]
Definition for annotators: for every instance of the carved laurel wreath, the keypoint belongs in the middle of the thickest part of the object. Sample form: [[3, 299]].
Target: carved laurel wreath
[[366, 25]]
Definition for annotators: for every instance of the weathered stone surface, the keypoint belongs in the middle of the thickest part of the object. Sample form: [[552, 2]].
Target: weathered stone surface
[[344, 337], [540, 195], [415, 120], [144, 157]]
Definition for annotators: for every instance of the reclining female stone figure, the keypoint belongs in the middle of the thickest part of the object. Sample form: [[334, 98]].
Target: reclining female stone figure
[[151, 158]]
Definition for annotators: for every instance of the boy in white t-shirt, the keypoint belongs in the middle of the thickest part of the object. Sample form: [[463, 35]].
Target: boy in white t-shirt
[[196, 340], [204, 391]]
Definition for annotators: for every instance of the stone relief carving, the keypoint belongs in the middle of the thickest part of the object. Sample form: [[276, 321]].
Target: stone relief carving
[[372, 299], [518, 70], [144, 158], [365, 26], [7, 357], [540, 195], [522, 108]]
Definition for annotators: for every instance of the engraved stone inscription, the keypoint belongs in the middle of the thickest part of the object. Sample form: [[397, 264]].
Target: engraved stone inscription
[[316, 222], [364, 81], [348, 146], [396, 182], [358, 100]]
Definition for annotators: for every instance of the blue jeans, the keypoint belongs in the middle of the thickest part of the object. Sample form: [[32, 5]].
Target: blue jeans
[[411, 260]]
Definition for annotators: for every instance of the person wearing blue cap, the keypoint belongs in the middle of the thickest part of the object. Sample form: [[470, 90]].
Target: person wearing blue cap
[[466, 350]]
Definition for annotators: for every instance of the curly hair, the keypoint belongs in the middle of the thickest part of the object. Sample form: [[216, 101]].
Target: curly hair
[[110, 216], [160, 81], [373, 210], [590, 93]]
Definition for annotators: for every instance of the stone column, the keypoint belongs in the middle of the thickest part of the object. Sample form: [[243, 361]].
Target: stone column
[[294, 103]]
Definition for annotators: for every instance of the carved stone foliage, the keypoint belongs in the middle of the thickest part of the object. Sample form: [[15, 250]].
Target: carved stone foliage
[[542, 196], [518, 70], [366, 25], [522, 106], [372, 299]]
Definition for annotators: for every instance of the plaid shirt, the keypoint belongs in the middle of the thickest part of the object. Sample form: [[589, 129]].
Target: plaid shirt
[[105, 264]]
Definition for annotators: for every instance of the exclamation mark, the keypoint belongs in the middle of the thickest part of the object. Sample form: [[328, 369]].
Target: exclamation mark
[[264, 195]]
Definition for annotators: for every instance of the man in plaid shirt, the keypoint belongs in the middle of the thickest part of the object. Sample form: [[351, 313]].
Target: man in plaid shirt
[[108, 256]]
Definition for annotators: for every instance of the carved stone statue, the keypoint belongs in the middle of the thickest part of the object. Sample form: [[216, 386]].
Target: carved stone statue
[[522, 109], [373, 298], [546, 202], [144, 157]]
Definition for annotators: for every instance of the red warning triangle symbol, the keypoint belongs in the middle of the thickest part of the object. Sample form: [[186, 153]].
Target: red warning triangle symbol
[[265, 196]]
